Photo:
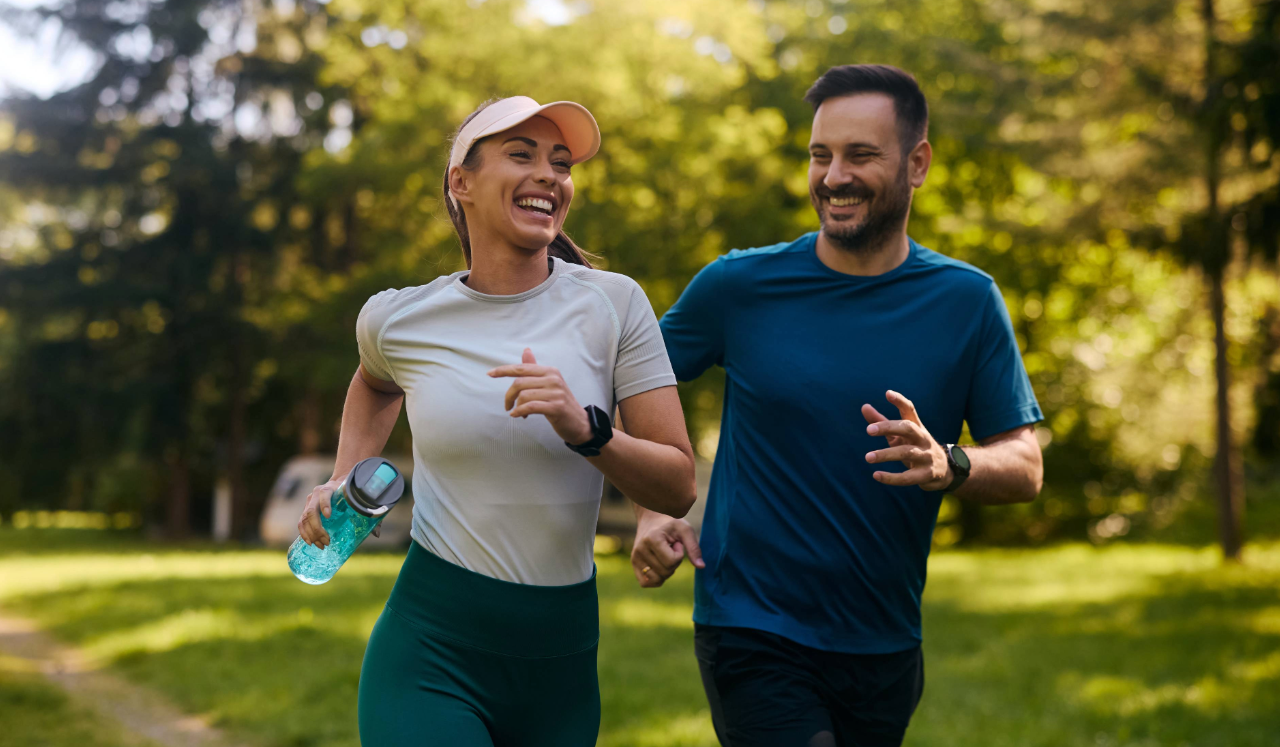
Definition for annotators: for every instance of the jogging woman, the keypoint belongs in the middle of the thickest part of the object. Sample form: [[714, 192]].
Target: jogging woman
[[509, 372]]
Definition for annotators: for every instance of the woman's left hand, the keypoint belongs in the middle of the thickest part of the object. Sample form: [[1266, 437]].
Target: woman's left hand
[[541, 390]]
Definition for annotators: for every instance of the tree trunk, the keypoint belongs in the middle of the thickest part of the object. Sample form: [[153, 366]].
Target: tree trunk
[[309, 414], [236, 443], [1227, 467], [1227, 472], [178, 508]]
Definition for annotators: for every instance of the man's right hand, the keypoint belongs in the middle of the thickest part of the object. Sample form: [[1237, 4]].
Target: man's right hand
[[309, 526], [661, 544]]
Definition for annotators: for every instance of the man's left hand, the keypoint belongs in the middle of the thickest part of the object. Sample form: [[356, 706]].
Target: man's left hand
[[909, 443]]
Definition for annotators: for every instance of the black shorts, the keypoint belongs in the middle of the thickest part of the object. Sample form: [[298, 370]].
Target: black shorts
[[769, 691]]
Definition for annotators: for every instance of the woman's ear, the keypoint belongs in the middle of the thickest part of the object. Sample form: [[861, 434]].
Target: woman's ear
[[459, 183]]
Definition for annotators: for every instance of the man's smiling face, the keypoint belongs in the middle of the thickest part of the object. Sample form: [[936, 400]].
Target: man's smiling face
[[859, 178]]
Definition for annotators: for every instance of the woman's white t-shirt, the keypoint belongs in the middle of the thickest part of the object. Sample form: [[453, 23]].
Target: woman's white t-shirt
[[498, 495]]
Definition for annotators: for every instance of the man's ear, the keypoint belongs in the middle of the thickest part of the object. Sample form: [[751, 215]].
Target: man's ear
[[459, 184], [918, 161]]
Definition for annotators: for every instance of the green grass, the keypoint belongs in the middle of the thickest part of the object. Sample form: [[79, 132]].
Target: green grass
[[1127, 645], [34, 712]]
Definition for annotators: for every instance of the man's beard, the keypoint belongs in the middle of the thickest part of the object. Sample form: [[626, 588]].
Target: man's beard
[[884, 217]]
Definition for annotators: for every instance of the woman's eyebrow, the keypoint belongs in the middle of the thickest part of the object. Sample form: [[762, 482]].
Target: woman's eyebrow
[[534, 143]]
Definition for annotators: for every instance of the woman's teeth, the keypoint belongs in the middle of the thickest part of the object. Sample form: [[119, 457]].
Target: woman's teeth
[[845, 201], [534, 203]]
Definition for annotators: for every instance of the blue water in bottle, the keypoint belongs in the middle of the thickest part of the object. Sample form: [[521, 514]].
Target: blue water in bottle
[[357, 507]]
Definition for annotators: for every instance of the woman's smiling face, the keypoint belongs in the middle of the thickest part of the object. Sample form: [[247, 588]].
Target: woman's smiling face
[[522, 188]]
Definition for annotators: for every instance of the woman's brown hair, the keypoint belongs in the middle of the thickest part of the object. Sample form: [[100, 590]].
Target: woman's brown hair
[[561, 246]]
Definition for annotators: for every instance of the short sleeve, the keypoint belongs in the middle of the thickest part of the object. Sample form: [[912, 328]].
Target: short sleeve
[[694, 327], [373, 318], [1000, 395], [642, 362]]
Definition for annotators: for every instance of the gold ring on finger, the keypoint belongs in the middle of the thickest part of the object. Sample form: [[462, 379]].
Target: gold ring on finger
[[645, 570]]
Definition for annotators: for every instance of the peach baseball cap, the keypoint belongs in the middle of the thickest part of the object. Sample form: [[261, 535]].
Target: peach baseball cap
[[577, 126]]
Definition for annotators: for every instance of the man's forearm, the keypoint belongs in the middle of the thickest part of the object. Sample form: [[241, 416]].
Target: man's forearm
[[368, 416], [1004, 470]]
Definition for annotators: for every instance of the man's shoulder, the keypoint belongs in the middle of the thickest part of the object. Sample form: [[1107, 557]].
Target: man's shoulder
[[954, 270], [772, 251]]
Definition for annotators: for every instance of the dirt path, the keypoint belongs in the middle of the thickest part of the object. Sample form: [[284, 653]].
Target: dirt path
[[140, 711]]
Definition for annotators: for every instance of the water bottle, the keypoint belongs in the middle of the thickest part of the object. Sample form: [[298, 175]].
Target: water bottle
[[359, 504]]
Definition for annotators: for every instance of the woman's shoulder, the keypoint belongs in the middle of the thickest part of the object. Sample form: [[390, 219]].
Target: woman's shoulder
[[619, 287], [383, 305]]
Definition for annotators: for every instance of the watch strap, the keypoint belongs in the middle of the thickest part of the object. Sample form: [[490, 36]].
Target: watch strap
[[961, 472], [601, 429]]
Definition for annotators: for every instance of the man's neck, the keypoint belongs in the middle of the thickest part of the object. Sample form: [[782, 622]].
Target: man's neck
[[501, 269], [869, 262]]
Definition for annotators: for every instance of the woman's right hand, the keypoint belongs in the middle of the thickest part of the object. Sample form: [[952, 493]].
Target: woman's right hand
[[309, 527]]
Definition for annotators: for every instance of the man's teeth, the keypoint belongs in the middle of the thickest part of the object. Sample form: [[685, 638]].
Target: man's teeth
[[845, 201], [536, 203]]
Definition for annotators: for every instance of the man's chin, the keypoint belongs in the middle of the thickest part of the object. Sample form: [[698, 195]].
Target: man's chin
[[844, 234]]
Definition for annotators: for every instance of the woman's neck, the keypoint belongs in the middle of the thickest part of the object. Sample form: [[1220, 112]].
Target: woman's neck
[[500, 269]]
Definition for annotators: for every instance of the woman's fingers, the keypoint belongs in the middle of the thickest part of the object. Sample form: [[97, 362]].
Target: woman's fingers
[[527, 384], [537, 407], [310, 527]]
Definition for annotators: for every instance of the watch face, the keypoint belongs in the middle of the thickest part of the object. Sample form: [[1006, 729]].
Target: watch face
[[961, 459]]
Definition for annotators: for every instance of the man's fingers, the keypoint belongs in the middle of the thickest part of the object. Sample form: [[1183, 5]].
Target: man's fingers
[[689, 541], [917, 476], [906, 429], [527, 357], [648, 566], [906, 454], [904, 405], [872, 414], [662, 556]]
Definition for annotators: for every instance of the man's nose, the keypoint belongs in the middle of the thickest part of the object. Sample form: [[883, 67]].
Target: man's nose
[[838, 174]]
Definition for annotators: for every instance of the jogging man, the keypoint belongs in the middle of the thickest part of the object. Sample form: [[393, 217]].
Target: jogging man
[[853, 356]]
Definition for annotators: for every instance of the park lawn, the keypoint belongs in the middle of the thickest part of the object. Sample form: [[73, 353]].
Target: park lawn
[[1126, 645], [34, 713]]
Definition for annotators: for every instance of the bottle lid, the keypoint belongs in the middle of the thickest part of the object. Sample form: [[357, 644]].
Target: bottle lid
[[374, 486]]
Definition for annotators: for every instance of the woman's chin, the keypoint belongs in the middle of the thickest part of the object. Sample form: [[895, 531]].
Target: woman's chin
[[534, 240]]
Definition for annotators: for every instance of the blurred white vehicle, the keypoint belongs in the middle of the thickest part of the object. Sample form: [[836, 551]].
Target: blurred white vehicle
[[279, 525]]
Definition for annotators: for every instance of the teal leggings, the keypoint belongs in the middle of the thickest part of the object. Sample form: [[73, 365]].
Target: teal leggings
[[464, 660]]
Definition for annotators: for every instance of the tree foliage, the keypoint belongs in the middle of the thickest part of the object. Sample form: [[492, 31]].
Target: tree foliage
[[1067, 140]]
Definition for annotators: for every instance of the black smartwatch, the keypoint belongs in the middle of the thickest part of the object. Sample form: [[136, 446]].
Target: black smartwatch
[[959, 463], [601, 432]]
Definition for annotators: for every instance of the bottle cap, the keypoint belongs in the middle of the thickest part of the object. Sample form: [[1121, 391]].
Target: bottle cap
[[374, 486]]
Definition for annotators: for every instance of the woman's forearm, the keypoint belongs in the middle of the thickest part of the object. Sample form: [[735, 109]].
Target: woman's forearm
[[653, 475], [368, 416]]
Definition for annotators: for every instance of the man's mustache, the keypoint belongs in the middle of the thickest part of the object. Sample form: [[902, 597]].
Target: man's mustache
[[853, 190]]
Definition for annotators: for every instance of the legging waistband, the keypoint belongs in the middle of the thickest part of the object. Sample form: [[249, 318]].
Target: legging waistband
[[498, 616]]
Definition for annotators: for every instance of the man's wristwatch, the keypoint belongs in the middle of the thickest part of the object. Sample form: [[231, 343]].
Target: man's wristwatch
[[601, 432], [959, 463]]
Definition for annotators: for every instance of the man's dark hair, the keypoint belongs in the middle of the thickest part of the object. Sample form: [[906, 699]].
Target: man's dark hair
[[908, 101]]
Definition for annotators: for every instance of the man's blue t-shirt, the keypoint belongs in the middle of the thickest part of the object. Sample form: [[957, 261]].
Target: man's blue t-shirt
[[798, 538]]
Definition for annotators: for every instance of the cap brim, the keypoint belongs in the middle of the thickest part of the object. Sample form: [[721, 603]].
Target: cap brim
[[577, 126]]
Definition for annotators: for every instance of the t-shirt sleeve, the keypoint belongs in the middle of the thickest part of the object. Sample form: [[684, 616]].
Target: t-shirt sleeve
[[694, 327], [642, 362], [1000, 394], [373, 317]]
